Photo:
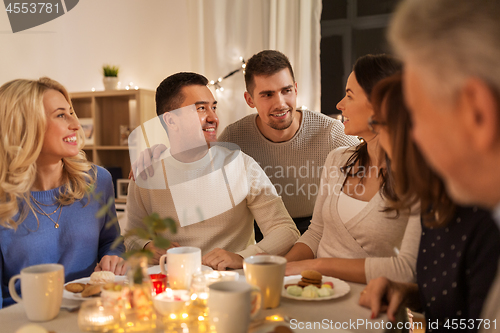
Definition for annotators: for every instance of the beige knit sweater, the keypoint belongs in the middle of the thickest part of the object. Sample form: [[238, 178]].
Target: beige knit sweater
[[390, 245], [216, 199], [294, 166]]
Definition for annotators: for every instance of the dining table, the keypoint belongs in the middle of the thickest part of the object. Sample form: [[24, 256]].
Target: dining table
[[342, 314]]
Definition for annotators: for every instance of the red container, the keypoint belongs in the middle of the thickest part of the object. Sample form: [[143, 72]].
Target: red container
[[159, 283]]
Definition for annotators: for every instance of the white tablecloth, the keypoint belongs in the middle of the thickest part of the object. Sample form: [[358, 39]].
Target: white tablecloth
[[339, 315]]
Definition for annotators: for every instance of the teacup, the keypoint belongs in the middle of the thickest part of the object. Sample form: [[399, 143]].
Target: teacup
[[182, 263], [232, 304], [42, 289], [266, 272]]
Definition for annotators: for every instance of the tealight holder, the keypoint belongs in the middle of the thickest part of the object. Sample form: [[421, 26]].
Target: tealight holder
[[158, 283], [172, 303], [95, 317]]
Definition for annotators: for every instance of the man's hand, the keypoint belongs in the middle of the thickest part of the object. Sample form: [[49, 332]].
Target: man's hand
[[145, 162], [113, 264], [157, 253], [220, 259], [382, 295]]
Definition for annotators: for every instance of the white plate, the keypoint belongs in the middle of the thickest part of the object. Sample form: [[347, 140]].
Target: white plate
[[78, 296], [157, 270], [340, 288]]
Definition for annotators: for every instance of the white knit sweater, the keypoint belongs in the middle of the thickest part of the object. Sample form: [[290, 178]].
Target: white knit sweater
[[389, 244], [216, 199]]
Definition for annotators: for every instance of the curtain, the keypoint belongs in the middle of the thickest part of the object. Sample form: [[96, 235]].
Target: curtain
[[222, 31]]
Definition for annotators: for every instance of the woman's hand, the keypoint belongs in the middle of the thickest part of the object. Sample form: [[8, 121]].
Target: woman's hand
[[296, 267], [113, 264], [382, 295]]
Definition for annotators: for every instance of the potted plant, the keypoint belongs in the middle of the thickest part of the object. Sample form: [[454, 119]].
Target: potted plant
[[110, 78]]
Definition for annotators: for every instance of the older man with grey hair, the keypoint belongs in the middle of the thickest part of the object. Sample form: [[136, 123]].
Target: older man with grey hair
[[451, 53]]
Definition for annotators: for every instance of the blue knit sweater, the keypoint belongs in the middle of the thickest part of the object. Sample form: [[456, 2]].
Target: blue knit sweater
[[78, 244]]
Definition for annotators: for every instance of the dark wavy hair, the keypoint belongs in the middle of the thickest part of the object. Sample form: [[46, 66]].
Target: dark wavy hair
[[414, 180], [369, 70]]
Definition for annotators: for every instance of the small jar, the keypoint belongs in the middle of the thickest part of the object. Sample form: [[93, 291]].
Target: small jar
[[137, 313]]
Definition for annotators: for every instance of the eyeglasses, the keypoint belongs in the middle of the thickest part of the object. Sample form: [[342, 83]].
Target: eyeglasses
[[372, 123]]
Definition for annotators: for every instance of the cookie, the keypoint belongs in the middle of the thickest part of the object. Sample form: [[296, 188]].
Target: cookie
[[305, 284], [312, 275], [311, 281], [75, 287], [92, 290]]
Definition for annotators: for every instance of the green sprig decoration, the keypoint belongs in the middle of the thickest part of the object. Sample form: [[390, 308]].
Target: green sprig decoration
[[152, 226]]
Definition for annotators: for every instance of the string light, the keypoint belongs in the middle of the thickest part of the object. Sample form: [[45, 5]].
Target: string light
[[131, 86], [217, 84]]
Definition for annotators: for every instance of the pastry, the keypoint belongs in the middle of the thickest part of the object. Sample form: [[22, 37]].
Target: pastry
[[75, 287], [92, 290], [310, 277], [102, 277]]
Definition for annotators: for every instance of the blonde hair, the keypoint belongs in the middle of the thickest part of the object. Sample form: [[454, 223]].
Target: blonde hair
[[23, 126]]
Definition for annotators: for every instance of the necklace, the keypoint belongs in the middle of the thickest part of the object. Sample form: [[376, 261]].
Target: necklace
[[56, 223]]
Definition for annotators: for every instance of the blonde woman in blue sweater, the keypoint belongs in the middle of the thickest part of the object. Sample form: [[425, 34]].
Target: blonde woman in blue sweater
[[46, 213]]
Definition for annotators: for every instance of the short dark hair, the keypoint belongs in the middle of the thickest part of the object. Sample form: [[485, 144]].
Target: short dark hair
[[267, 62], [169, 93]]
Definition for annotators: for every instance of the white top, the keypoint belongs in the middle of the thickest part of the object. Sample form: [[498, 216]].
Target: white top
[[372, 233], [214, 202], [349, 207]]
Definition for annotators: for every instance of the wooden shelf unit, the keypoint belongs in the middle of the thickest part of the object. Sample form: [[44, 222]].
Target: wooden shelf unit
[[108, 111]]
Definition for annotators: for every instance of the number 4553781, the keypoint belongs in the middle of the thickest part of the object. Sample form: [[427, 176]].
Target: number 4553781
[[31, 8]]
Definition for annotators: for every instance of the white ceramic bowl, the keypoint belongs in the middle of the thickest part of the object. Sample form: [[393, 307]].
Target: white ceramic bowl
[[171, 301]]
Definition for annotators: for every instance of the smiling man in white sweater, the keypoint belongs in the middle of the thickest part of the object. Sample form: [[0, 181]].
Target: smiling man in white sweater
[[213, 192]]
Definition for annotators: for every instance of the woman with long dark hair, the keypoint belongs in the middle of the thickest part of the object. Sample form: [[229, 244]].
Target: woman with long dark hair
[[353, 234]]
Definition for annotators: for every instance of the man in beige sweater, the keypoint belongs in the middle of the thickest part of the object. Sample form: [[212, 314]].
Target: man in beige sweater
[[213, 192], [290, 145]]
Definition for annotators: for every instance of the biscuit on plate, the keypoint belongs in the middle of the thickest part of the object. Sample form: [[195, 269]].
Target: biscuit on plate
[[75, 287], [311, 275], [311, 281], [92, 290], [305, 284]]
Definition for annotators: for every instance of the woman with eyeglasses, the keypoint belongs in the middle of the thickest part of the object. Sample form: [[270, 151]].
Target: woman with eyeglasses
[[354, 235], [459, 251], [47, 213]]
